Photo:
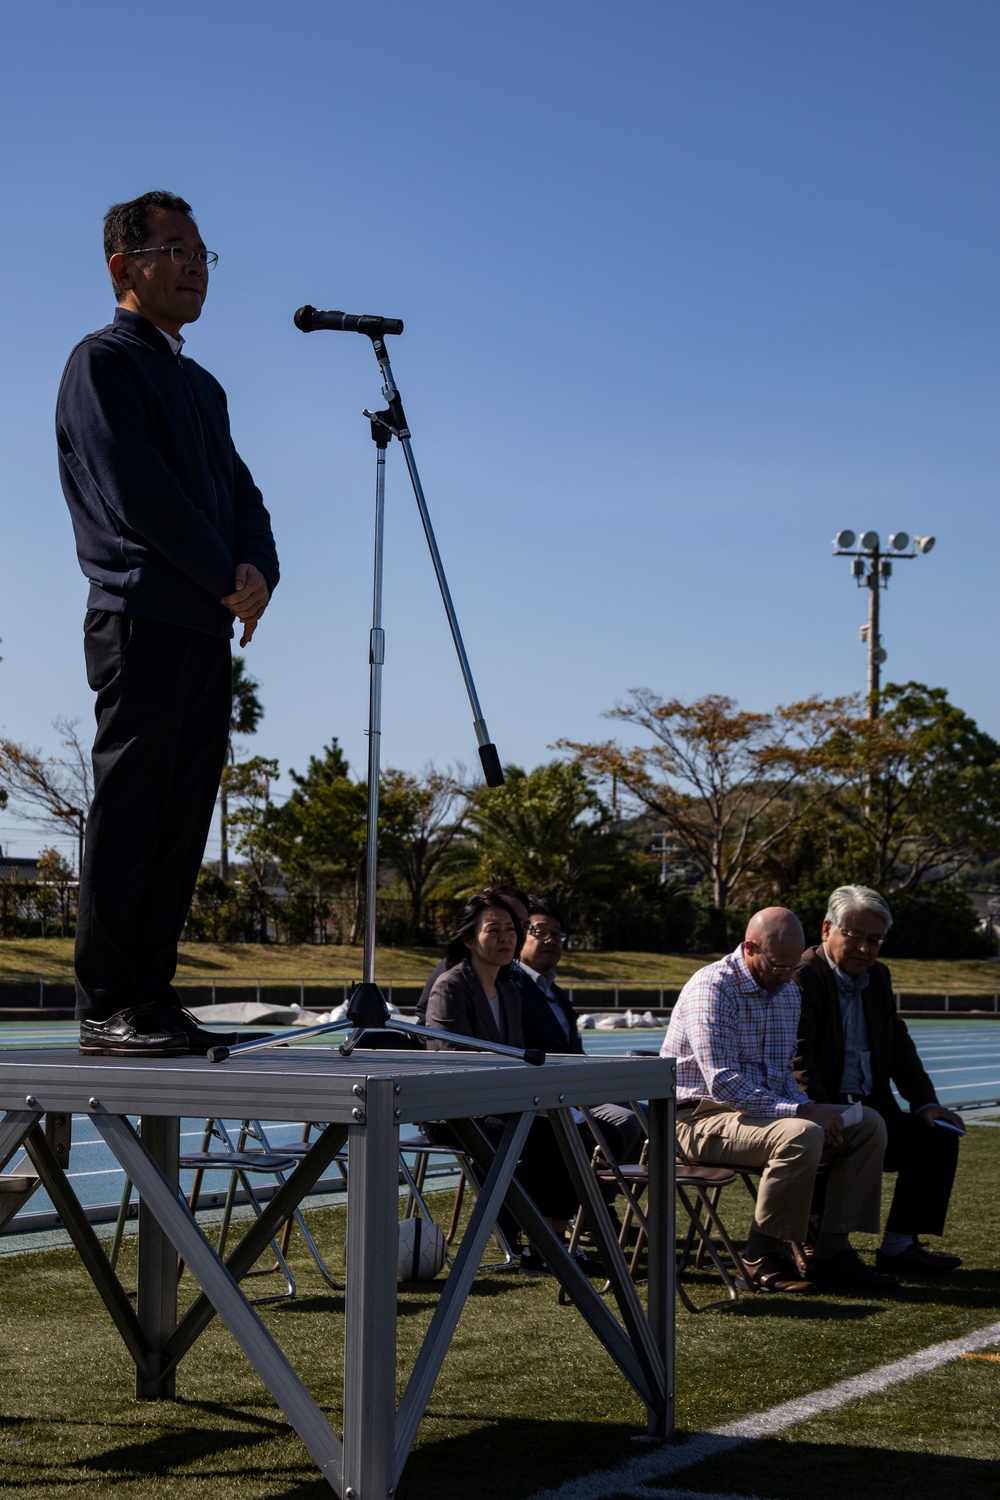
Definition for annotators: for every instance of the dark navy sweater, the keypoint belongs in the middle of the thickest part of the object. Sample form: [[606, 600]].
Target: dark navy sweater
[[163, 507]]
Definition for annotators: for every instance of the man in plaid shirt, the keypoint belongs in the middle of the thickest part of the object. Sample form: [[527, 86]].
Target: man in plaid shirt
[[733, 1032]]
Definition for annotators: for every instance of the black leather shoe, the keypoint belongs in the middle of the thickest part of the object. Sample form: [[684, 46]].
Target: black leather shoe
[[916, 1258], [532, 1263], [137, 1031], [847, 1269], [197, 1038]]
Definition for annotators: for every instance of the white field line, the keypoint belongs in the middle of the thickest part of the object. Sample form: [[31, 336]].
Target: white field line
[[941, 1050], [947, 1072], [649, 1494], [661, 1464], [942, 1046]]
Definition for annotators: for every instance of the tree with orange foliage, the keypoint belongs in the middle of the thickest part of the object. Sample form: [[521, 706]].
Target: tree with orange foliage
[[728, 783]]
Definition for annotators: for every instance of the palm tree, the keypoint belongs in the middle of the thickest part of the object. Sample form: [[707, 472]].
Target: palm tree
[[546, 831], [247, 713]]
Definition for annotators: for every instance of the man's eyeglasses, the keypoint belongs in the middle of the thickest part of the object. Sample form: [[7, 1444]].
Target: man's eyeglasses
[[774, 968], [545, 932], [180, 255], [861, 937]]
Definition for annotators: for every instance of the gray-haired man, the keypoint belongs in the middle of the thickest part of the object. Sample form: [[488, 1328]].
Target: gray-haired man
[[854, 1045]]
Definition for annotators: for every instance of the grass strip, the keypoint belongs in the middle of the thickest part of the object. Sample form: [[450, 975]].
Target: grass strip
[[52, 958]]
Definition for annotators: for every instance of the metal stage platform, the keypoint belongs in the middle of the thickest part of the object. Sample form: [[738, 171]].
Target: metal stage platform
[[363, 1100]]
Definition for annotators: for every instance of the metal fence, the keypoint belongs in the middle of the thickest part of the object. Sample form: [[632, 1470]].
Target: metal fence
[[35, 993]]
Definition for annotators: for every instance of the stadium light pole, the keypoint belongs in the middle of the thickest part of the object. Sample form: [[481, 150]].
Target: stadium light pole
[[871, 568]]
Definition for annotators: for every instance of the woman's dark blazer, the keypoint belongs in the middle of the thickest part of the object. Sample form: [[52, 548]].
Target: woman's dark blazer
[[458, 1003]]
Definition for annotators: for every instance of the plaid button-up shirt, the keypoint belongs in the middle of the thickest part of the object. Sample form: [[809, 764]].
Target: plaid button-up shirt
[[734, 1042]]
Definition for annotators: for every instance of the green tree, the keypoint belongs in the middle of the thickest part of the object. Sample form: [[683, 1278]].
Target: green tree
[[545, 830], [52, 891], [215, 913], [247, 712], [425, 814], [319, 834], [919, 788], [251, 825]]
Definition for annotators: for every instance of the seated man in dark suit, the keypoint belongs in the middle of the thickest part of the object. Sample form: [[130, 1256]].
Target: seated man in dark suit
[[854, 1045], [549, 1020]]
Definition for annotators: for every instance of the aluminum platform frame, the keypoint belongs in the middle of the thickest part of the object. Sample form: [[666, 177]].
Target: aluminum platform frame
[[366, 1098]]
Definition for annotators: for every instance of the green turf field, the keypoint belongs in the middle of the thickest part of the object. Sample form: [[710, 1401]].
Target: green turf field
[[53, 958], [526, 1399]]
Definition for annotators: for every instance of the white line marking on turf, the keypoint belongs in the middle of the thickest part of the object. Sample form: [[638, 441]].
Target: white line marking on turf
[[625, 1480], [649, 1494]]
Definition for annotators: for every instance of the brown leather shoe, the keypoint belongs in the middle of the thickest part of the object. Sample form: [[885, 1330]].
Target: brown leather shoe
[[774, 1273]]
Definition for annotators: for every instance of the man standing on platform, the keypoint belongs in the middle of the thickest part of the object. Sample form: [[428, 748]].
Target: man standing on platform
[[733, 1032], [174, 538], [854, 1045]]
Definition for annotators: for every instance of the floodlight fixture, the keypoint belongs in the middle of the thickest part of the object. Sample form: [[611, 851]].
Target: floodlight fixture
[[871, 568]]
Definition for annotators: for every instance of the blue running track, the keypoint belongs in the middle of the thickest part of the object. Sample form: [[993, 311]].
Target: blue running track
[[962, 1057]]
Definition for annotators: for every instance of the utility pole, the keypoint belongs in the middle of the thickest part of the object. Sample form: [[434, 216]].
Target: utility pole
[[871, 568], [80, 818]]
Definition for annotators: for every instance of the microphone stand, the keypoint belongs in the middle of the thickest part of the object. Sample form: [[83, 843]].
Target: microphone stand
[[367, 1011]]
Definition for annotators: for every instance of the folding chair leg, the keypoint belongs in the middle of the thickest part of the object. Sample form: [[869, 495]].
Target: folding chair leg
[[456, 1208], [253, 1129], [704, 1234], [699, 1258], [468, 1175], [418, 1176], [121, 1221]]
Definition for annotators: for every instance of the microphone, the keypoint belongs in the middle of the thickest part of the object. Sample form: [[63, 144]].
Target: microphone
[[309, 319]]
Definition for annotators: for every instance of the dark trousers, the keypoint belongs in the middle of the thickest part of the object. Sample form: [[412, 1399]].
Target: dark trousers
[[164, 701], [924, 1158], [541, 1170]]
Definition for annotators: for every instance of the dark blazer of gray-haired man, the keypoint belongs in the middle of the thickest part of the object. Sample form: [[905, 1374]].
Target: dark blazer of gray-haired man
[[922, 1154]]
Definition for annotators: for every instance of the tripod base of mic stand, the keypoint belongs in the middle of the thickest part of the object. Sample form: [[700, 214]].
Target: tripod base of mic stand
[[372, 1025], [366, 1011]]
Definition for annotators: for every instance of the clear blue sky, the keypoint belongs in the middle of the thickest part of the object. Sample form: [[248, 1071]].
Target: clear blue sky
[[687, 288]]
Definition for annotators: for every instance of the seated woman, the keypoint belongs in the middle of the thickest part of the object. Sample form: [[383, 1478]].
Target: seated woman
[[476, 996]]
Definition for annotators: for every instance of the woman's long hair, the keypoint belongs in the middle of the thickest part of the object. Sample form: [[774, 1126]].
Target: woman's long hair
[[468, 920]]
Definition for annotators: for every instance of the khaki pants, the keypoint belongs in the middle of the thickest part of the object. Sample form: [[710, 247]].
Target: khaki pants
[[787, 1153]]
